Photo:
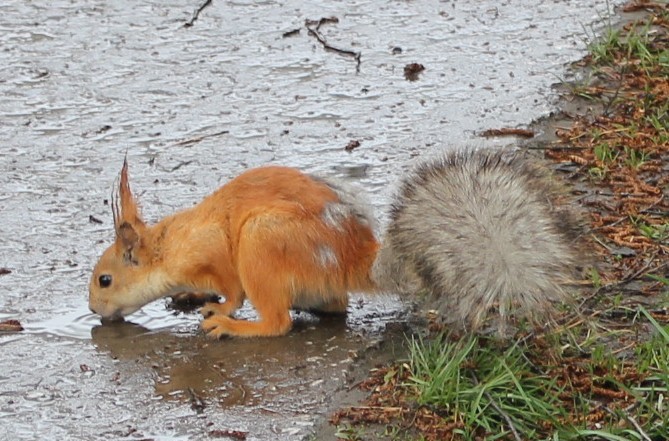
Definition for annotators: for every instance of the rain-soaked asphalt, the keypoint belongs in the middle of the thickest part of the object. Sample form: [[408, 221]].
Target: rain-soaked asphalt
[[84, 82]]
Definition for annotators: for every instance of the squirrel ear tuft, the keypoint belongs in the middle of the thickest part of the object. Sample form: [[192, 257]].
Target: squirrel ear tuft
[[129, 210], [124, 206]]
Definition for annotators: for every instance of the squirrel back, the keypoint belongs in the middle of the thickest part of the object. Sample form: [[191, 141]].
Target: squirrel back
[[481, 232]]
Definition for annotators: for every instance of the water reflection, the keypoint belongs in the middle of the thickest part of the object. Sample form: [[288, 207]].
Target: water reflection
[[233, 371]]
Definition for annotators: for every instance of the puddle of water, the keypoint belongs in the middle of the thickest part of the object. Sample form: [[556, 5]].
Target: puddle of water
[[366, 316], [79, 322], [73, 323], [130, 366], [83, 83]]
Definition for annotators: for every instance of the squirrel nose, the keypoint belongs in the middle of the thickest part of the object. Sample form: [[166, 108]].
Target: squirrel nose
[[92, 310]]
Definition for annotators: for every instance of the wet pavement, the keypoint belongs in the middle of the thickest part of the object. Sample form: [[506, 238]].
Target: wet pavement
[[83, 83]]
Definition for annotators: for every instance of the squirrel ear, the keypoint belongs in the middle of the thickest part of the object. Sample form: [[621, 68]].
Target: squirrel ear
[[130, 242], [129, 212]]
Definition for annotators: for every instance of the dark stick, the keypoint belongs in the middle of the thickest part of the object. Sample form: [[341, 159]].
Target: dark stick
[[314, 31], [200, 138], [196, 14]]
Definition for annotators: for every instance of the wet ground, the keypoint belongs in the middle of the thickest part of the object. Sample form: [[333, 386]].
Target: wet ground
[[82, 83]]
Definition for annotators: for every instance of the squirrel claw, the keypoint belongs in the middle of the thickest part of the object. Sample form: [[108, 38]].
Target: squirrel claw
[[214, 326]]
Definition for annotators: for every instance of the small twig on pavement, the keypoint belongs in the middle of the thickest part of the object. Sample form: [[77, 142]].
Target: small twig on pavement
[[200, 138], [313, 26], [181, 164], [196, 14]]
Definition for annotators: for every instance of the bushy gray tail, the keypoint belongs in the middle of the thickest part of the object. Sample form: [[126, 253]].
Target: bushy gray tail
[[481, 233]]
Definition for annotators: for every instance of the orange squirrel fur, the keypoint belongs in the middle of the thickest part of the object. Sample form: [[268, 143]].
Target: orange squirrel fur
[[479, 232], [273, 235]]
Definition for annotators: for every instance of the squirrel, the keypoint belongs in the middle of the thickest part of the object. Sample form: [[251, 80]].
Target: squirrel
[[480, 231]]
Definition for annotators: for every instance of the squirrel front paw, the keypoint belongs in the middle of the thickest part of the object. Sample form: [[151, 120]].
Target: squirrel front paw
[[215, 326]]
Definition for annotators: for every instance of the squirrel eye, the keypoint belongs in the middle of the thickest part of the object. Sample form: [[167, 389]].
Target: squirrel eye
[[105, 280]]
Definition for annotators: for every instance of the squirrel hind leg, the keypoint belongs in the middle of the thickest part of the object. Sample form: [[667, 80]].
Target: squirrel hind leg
[[269, 297], [268, 294], [266, 270]]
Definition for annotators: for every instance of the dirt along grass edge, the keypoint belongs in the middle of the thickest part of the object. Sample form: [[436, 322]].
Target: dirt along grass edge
[[603, 372]]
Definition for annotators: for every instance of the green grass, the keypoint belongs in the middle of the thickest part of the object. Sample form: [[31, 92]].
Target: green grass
[[661, 279], [652, 357], [635, 158], [657, 116], [494, 393], [501, 393], [595, 278], [350, 433], [637, 43], [604, 153], [658, 232], [604, 49]]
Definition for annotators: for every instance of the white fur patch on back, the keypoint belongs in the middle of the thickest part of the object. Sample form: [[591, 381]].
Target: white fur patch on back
[[335, 214], [326, 256], [351, 204]]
